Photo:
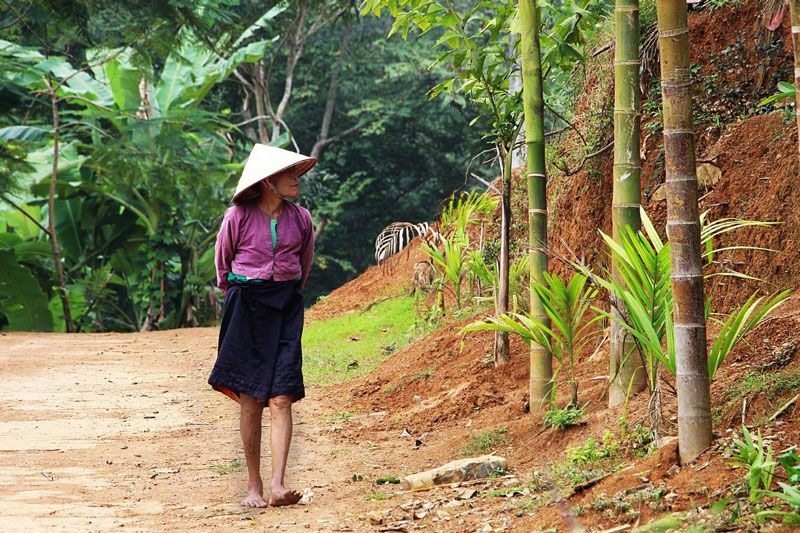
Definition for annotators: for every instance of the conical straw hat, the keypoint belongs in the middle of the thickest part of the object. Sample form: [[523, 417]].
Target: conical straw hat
[[266, 161]]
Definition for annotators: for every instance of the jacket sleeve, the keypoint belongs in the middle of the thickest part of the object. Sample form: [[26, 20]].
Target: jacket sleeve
[[307, 252], [225, 248]]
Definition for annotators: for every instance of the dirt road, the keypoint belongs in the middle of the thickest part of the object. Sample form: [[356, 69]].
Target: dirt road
[[107, 430]]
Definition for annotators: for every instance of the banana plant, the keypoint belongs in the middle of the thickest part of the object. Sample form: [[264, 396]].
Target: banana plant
[[22, 301]]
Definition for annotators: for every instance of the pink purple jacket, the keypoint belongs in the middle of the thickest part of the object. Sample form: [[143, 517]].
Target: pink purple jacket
[[244, 244]]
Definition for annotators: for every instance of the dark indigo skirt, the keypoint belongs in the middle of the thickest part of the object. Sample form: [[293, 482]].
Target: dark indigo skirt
[[259, 341]]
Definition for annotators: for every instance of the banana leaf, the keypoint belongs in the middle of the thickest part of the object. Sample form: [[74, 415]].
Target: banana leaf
[[21, 299]]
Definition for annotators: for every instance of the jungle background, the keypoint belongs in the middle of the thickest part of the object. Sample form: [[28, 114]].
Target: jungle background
[[158, 105]]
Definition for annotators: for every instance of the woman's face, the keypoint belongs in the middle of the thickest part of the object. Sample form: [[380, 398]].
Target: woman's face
[[287, 184]]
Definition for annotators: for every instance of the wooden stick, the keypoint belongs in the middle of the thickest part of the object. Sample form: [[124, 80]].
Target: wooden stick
[[785, 406]]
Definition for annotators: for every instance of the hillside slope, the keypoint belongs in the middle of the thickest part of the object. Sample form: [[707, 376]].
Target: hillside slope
[[447, 390]]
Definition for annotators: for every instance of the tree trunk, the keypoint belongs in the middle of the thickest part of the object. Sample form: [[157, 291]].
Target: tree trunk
[[260, 96], [794, 7], [150, 320], [501, 355], [683, 231], [627, 371], [541, 370], [296, 43], [333, 91], [51, 216]]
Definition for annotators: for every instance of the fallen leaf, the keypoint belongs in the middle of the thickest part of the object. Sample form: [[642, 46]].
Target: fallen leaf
[[466, 494]]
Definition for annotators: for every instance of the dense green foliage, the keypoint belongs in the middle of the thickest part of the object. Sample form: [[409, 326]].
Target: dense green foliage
[[156, 114]]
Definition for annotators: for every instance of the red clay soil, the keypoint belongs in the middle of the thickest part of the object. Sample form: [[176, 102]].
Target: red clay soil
[[443, 389], [391, 279], [443, 394], [742, 63]]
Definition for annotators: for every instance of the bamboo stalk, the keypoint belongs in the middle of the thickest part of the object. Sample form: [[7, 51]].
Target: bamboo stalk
[[683, 230], [541, 369], [627, 373]]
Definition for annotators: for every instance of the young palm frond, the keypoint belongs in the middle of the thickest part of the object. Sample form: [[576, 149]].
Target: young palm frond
[[466, 209], [517, 280], [450, 261], [489, 276], [571, 328], [643, 287], [739, 324], [643, 263], [709, 231]]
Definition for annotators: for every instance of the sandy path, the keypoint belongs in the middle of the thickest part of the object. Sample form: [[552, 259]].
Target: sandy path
[[107, 430]]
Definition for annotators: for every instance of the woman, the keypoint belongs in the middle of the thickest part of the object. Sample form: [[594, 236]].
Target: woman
[[263, 256]]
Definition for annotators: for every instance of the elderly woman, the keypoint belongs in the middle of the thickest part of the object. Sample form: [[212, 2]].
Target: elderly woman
[[263, 256]]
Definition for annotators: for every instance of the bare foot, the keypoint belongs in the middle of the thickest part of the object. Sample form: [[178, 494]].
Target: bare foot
[[255, 496], [284, 497]]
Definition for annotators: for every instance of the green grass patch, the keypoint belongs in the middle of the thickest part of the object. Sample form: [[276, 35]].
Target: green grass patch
[[485, 441], [344, 416], [592, 451], [505, 491], [377, 496], [351, 345], [237, 465], [583, 463], [561, 418]]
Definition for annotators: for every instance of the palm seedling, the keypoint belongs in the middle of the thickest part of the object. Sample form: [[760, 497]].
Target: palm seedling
[[572, 325], [451, 253], [466, 209], [756, 456], [449, 262], [484, 275], [643, 262]]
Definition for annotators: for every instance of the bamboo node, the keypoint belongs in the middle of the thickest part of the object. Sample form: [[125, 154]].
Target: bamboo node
[[626, 62], [680, 179], [683, 223], [631, 8], [689, 325], [678, 131], [536, 175], [626, 111], [537, 211], [677, 84], [673, 33]]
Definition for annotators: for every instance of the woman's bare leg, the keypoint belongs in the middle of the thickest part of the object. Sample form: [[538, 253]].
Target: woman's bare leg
[[280, 409], [250, 427]]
